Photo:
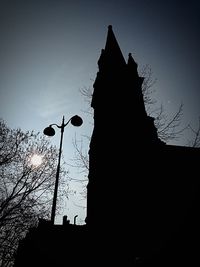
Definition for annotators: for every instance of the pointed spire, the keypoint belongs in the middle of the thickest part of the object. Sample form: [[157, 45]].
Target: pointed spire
[[131, 62], [112, 46], [132, 66], [112, 54]]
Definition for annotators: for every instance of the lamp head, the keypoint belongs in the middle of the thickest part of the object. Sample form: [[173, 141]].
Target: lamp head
[[49, 131], [76, 121]]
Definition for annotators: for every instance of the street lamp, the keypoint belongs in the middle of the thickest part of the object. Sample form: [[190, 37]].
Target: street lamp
[[49, 131]]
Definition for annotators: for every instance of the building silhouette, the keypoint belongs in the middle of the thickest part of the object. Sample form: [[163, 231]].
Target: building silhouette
[[143, 194]]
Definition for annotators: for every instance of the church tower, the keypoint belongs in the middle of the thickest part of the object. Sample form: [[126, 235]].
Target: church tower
[[122, 130], [143, 195]]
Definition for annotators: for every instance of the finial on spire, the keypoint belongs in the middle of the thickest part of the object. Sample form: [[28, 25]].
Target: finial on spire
[[110, 27]]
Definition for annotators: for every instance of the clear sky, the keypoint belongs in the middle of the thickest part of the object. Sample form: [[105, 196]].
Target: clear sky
[[49, 51]]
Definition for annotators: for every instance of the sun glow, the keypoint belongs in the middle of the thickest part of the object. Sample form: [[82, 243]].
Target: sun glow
[[36, 160]]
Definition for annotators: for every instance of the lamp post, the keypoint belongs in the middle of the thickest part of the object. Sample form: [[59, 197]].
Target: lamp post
[[49, 131]]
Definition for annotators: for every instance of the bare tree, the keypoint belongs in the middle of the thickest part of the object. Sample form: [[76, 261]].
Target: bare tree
[[169, 128], [26, 186], [147, 86], [195, 142]]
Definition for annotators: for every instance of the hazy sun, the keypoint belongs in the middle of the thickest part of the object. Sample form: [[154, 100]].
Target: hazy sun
[[36, 160]]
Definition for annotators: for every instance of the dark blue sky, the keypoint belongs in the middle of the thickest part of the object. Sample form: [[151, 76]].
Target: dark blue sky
[[49, 51]]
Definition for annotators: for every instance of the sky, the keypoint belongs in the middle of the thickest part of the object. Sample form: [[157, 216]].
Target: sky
[[49, 52]]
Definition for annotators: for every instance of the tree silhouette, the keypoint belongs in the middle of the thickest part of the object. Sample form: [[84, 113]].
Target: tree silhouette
[[25, 188], [195, 142]]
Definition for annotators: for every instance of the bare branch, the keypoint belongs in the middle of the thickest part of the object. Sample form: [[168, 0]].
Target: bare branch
[[169, 129], [196, 141]]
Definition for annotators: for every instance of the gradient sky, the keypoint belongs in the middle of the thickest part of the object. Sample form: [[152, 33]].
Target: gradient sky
[[49, 51]]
